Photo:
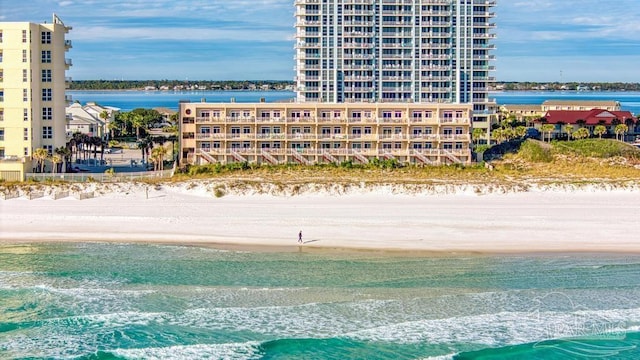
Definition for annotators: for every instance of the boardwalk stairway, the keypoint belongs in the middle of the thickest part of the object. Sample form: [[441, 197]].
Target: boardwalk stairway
[[300, 158], [270, 158], [237, 156], [329, 157], [363, 159], [422, 158]]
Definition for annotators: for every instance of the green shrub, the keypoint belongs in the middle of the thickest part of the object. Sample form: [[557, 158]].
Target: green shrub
[[535, 152], [599, 148]]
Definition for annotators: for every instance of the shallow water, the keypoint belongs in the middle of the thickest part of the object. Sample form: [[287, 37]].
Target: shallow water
[[120, 301]]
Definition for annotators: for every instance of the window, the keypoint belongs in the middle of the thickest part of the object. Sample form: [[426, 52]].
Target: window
[[0, 56], [46, 56], [24, 56], [47, 113], [25, 134], [1, 134], [46, 75], [1, 75], [46, 95], [2, 154], [25, 95], [26, 151], [1, 95], [0, 36], [24, 36], [25, 75], [25, 114], [1, 114], [47, 132], [46, 37], [49, 149]]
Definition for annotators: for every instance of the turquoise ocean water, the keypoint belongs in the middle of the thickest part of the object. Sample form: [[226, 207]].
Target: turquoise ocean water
[[129, 100], [120, 301]]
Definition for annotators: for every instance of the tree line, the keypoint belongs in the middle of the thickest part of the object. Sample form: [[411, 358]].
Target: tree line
[[171, 84], [597, 86]]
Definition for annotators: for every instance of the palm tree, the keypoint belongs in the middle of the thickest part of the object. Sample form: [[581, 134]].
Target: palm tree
[[104, 115], [64, 154], [477, 134], [620, 130], [40, 155], [581, 133], [158, 154], [498, 135], [137, 121], [600, 130], [520, 131], [84, 142], [547, 128], [55, 159], [568, 129]]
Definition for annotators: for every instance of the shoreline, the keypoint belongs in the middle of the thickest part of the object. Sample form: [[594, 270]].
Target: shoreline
[[461, 222], [375, 252]]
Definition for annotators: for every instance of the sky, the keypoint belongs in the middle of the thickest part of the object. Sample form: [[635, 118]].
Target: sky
[[538, 40]]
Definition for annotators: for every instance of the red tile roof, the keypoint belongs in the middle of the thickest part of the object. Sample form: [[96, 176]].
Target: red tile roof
[[591, 117]]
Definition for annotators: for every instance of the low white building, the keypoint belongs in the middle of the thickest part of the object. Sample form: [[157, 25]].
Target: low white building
[[91, 119]]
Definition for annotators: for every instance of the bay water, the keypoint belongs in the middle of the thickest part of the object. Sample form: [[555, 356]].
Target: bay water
[[129, 100], [133, 301]]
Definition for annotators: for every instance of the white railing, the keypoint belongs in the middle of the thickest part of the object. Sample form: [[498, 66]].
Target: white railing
[[100, 177]]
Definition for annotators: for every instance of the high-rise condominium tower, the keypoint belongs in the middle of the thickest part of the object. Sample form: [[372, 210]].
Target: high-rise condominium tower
[[436, 51], [32, 93]]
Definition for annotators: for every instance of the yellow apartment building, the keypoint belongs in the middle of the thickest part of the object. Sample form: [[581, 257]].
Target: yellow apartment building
[[312, 133], [32, 93]]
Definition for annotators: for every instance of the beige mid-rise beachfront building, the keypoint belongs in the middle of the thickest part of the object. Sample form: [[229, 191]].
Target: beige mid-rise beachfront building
[[312, 133], [32, 93]]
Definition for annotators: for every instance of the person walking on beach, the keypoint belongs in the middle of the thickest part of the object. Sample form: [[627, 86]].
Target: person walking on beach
[[300, 237]]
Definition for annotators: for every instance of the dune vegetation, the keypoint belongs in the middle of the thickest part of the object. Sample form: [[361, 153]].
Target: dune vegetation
[[530, 163]]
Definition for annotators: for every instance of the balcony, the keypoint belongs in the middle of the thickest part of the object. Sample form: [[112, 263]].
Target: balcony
[[67, 44], [68, 63]]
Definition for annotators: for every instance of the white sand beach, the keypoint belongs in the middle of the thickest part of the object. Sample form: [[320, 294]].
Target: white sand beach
[[585, 220]]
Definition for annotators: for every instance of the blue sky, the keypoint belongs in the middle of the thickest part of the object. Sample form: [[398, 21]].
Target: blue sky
[[538, 40]]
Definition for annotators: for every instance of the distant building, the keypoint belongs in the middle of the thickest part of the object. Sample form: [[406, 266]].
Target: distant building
[[166, 117], [309, 133], [91, 119], [32, 93], [79, 120], [580, 105], [588, 119], [521, 111]]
